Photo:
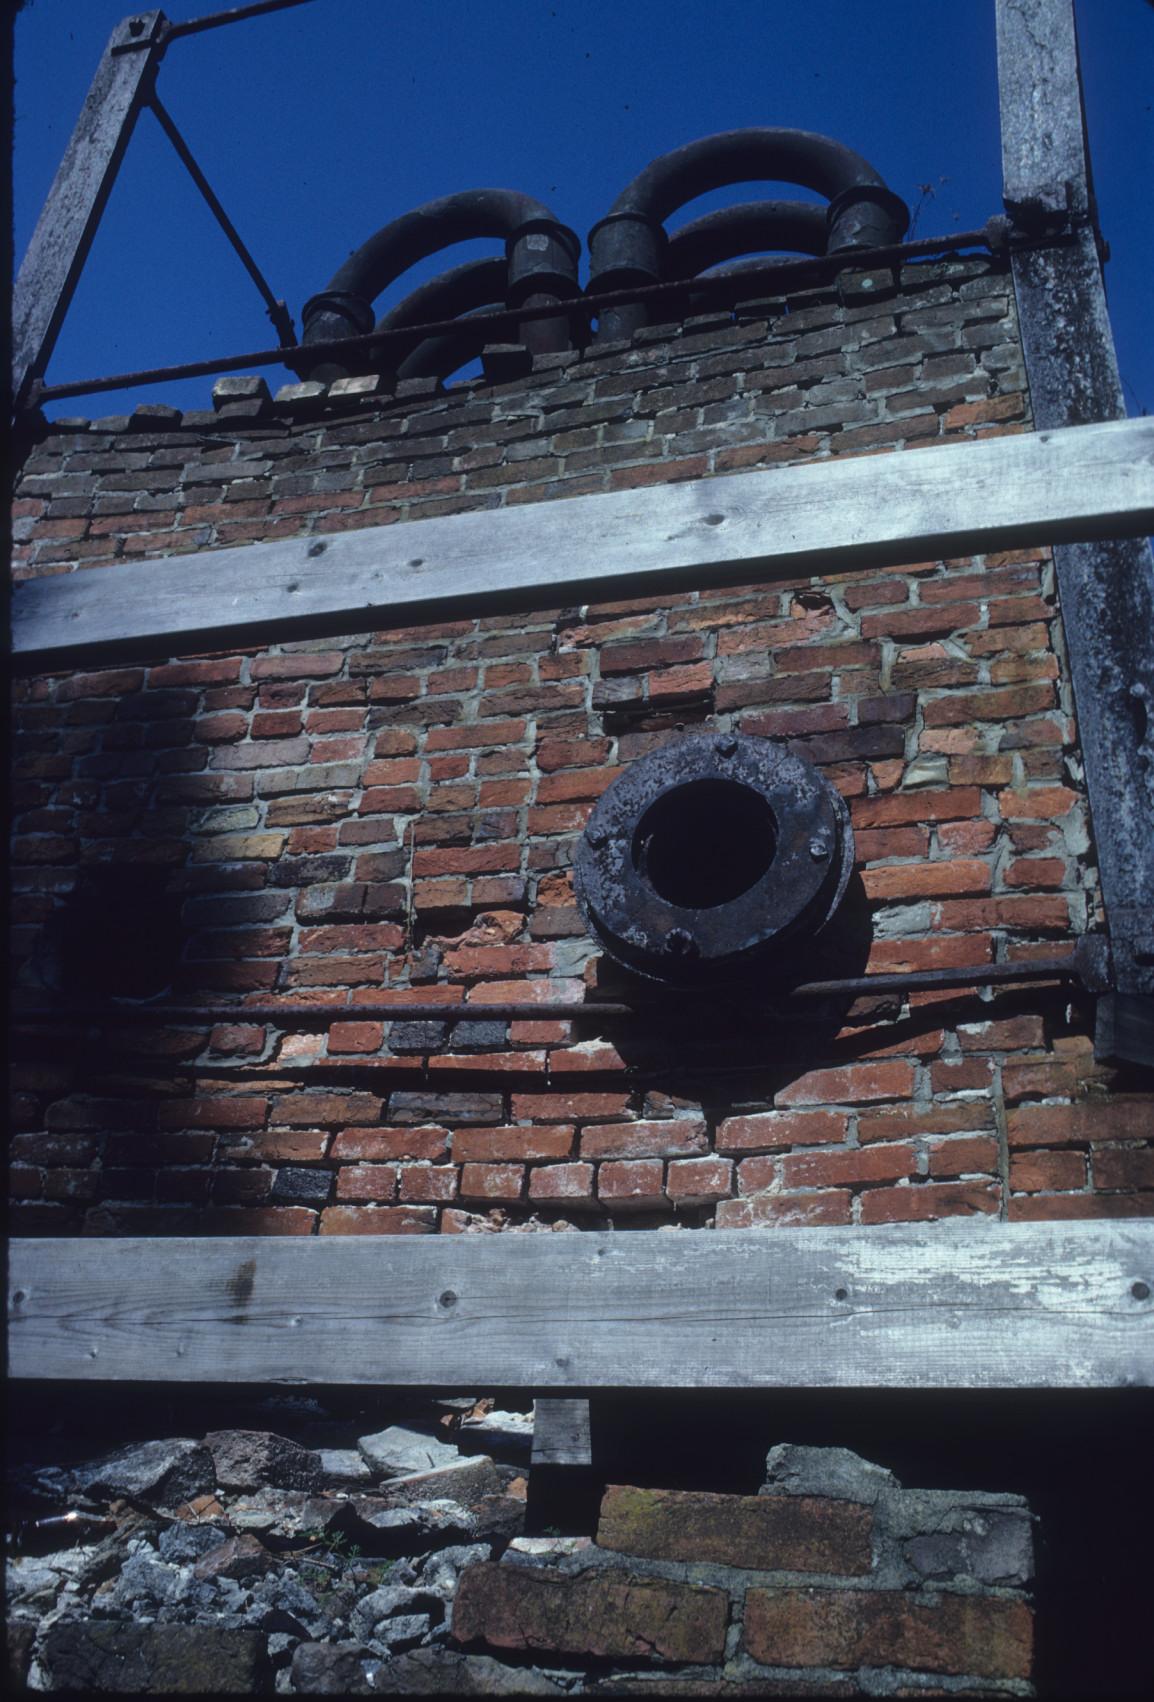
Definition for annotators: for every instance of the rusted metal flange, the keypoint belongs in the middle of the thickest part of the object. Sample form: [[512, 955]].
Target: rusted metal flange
[[703, 857]]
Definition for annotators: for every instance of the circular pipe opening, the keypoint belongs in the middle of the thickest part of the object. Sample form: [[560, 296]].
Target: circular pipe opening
[[705, 843]]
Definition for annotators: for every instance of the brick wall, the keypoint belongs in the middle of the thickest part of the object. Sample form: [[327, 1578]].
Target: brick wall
[[832, 1581], [388, 818]]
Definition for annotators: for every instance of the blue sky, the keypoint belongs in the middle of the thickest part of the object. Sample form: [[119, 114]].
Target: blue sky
[[321, 123]]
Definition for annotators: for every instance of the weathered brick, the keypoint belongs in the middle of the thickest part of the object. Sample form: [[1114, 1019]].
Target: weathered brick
[[1117, 1119], [514, 1142], [761, 1533], [615, 1616], [674, 1137], [853, 1084], [766, 1131], [377, 1220], [632, 1184], [984, 1636]]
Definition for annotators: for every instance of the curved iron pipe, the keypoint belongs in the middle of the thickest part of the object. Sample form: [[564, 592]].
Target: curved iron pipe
[[478, 286], [542, 257], [752, 227], [627, 247], [738, 156], [439, 357]]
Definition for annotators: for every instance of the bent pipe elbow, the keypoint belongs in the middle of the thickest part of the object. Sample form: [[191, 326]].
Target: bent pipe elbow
[[474, 287], [628, 246], [753, 227], [541, 254]]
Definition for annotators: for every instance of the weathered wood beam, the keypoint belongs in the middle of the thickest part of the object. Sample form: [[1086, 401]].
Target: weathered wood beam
[[1105, 589], [828, 516], [80, 190], [831, 516], [562, 1433], [962, 1304]]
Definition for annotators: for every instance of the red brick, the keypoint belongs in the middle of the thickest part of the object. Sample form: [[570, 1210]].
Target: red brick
[[420, 1182], [1124, 1167], [699, 1181], [1037, 803], [606, 1615], [1093, 1120], [1007, 1035], [367, 1182], [929, 1201], [1042, 1208], [1037, 1078], [328, 1108], [761, 1533], [961, 1075], [541, 1141], [1046, 1172], [986, 1636], [965, 1155], [547, 1107], [632, 1184], [959, 803], [938, 621], [562, 1184], [1046, 872], [766, 1131], [927, 880], [378, 1145], [377, 1220], [356, 1036], [492, 1181], [850, 1166], [233, 1039], [787, 1211], [672, 1137], [852, 1084]]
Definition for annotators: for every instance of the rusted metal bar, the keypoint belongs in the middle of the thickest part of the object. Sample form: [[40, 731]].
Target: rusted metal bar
[[490, 326], [1083, 964], [237, 15], [277, 310]]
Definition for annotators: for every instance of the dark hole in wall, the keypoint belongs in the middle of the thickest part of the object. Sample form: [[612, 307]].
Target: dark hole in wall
[[705, 843], [119, 935]]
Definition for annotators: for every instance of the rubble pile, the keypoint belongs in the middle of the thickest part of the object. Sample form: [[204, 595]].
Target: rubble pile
[[247, 1560]]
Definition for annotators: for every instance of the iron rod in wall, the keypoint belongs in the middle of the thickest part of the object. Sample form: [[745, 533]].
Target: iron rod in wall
[[787, 271], [1071, 966]]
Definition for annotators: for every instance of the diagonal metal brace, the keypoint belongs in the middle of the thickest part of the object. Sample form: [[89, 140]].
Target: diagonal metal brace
[[277, 310]]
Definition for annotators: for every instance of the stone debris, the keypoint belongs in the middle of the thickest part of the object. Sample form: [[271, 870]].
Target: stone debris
[[254, 1459], [399, 1451], [344, 1466], [164, 1473]]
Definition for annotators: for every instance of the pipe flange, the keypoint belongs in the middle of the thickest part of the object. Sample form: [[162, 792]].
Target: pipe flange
[[868, 215], [705, 856]]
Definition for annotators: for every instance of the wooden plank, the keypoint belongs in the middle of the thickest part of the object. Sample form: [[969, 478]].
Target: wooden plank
[[80, 190], [1105, 588], [830, 516], [1044, 172], [961, 1304], [562, 1433]]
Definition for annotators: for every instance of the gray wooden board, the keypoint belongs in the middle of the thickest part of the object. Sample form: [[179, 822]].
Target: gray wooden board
[[829, 516], [1043, 149], [80, 189], [562, 1433], [961, 1304]]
